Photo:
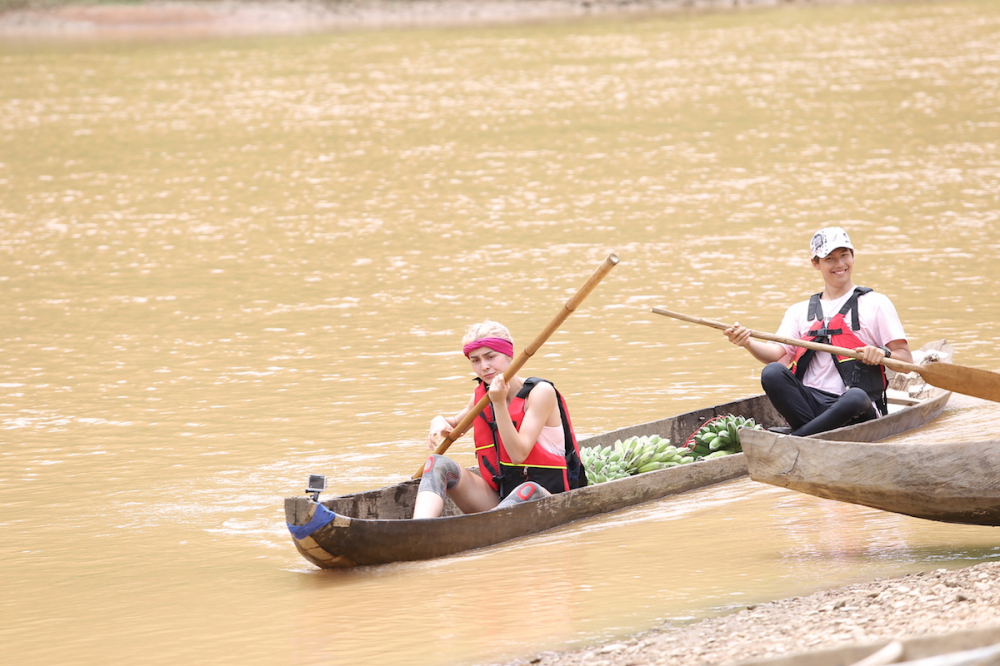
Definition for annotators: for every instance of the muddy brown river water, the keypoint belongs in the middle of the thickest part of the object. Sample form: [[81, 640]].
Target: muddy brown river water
[[228, 263]]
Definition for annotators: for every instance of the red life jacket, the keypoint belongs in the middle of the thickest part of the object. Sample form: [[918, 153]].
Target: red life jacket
[[555, 472], [870, 378]]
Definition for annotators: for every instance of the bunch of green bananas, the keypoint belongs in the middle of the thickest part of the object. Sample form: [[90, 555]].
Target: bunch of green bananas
[[635, 455], [720, 437]]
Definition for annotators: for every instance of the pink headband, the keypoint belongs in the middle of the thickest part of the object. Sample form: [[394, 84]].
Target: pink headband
[[496, 344]]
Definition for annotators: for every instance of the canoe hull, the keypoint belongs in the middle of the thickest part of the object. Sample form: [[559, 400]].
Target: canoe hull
[[954, 482], [359, 541], [970, 646], [375, 527]]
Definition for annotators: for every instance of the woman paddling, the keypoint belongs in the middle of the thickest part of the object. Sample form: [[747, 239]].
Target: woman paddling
[[524, 439], [817, 391]]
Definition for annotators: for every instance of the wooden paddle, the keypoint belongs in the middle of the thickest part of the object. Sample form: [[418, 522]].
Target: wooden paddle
[[958, 378], [529, 351]]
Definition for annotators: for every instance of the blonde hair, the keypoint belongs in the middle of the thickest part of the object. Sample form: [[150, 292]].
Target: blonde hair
[[486, 329]]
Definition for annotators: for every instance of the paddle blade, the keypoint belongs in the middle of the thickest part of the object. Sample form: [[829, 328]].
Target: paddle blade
[[962, 379]]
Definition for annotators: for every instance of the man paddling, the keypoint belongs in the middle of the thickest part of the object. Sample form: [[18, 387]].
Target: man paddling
[[818, 391]]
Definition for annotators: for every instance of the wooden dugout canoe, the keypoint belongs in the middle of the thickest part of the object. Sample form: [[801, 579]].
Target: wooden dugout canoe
[[375, 527], [970, 647], [952, 482]]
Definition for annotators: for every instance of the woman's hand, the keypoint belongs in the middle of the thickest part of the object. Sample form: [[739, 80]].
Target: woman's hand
[[499, 390], [440, 428]]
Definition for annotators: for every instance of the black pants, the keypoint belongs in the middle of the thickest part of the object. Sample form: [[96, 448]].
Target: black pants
[[809, 410]]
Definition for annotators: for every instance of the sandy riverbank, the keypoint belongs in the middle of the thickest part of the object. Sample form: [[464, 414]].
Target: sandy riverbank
[[247, 17], [920, 604]]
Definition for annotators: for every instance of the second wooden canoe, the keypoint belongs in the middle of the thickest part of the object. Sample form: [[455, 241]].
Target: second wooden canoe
[[953, 482], [969, 647]]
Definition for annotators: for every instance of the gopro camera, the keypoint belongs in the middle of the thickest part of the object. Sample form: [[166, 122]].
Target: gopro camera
[[316, 485]]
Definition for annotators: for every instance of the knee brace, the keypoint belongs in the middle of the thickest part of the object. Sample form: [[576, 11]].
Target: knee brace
[[440, 474], [528, 491]]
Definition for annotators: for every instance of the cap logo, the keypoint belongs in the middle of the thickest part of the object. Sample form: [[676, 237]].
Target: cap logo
[[827, 240]]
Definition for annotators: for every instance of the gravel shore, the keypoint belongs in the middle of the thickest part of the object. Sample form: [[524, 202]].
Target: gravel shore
[[919, 604]]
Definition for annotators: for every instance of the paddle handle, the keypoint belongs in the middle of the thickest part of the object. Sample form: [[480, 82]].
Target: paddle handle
[[567, 309], [898, 366]]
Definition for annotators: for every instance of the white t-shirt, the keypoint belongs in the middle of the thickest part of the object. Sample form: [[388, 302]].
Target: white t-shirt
[[880, 325]]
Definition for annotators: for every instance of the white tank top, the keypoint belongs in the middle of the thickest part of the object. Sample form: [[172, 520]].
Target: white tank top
[[552, 439]]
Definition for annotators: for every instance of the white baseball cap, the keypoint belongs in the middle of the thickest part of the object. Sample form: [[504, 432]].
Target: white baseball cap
[[827, 240]]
